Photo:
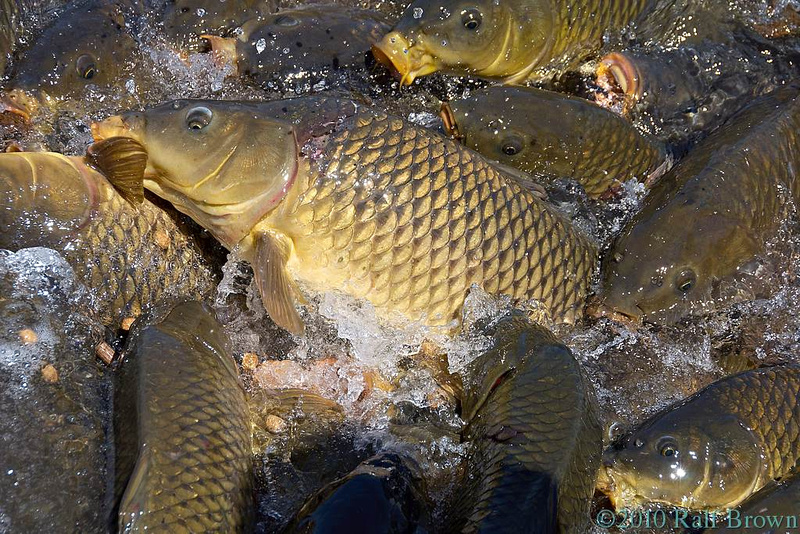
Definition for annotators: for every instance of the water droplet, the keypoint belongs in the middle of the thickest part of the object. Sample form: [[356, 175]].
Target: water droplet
[[201, 12], [261, 45], [418, 12]]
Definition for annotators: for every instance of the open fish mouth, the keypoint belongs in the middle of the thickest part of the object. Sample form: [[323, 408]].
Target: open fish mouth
[[406, 60], [19, 102], [631, 317], [449, 122], [621, 80]]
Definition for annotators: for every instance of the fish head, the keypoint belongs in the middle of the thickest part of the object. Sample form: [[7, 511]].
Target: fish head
[[75, 55], [701, 461], [670, 260], [533, 130], [224, 164], [480, 37]]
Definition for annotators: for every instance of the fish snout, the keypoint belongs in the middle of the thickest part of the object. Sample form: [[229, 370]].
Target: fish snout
[[19, 102], [125, 125], [623, 312], [223, 51], [621, 79], [406, 58]]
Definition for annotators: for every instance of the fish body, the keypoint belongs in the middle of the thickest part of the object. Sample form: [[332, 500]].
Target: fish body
[[186, 20], [356, 200], [305, 39], [777, 502], [182, 430], [87, 46], [514, 40], [714, 449], [383, 494], [709, 215], [553, 135], [129, 257], [534, 433]]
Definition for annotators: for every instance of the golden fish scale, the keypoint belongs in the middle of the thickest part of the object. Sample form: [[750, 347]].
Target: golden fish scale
[[580, 25], [628, 155], [410, 220], [133, 257], [547, 417], [768, 402], [197, 429]]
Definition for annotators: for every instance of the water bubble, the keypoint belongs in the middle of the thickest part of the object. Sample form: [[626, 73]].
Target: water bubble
[[201, 12], [417, 13], [261, 45]]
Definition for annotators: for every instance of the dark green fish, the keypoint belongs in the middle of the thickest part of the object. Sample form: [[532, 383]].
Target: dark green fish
[[353, 199], [129, 256], [514, 40], [709, 216], [184, 456], [86, 47], [311, 39], [535, 436], [186, 20], [712, 450], [384, 494], [553, 135]]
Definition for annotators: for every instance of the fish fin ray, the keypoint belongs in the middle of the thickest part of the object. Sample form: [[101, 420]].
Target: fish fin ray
[[123, 162], [277, 288]]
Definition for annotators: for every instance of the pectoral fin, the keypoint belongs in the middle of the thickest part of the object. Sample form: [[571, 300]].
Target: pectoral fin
[[123, 162], [271, 251]]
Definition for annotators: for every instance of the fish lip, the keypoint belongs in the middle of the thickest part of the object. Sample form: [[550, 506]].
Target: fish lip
[[621, 78], [449, 122], [404, 59], [114, 126], [19, 102], [598, 308]]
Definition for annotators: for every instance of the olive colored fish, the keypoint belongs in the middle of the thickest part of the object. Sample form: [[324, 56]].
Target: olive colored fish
[[352, 199], [183, 449], [681, 94], [186, 20], [383, 494], [774, 507], [535, 434], [313, 38], [553, 135], [513, 40], [710, 215], [129, 257], [714, 449], [88, 46], [10, 26]]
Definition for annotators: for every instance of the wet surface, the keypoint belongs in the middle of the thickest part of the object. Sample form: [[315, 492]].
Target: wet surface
[[388, 394]]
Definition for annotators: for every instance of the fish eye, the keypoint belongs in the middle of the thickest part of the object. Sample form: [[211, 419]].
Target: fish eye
[[85, 65], [512, 146], [685, 281], [667, 447], [286, 20], [198, 118], [471, 18]]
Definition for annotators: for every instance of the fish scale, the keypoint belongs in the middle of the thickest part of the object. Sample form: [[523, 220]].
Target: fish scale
[[182, 419], [534, 435], [130, 257], [385, 193]]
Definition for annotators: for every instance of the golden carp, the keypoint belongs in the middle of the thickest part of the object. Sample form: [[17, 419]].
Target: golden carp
[[129, 257], [708, 216], [513, 40], [355, 200], [184, 458], [535, 437], [712, 450], [553, 135]]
